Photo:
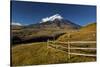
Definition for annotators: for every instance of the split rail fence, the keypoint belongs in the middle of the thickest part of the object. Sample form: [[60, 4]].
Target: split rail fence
[[52, 44]]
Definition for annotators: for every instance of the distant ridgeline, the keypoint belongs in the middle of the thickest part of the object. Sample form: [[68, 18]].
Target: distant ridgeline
[[50, 29]]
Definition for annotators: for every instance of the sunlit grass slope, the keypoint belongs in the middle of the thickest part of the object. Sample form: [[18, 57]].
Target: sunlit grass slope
[[36, 53], [86, 33], [41, 53]]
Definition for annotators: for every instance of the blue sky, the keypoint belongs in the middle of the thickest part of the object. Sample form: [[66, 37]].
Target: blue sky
[[32, 12]]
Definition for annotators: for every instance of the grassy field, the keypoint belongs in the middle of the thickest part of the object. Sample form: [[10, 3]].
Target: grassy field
[[41, 53], [36, 53], [44, 53]]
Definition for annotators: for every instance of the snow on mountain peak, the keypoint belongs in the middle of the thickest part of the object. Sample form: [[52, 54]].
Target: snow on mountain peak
[[51, 18]]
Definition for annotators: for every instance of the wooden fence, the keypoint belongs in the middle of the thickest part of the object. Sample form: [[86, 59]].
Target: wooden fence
[[52, 43]]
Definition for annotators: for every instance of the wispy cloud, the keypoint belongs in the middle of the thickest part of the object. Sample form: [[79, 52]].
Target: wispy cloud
[[14, 23]]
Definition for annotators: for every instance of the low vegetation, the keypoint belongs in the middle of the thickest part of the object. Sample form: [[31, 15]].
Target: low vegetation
[[36, 53], [41, 53], [44, 53], [87, 33]]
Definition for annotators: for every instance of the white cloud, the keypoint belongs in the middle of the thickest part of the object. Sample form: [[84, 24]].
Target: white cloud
[[51, 18], [19, 24]]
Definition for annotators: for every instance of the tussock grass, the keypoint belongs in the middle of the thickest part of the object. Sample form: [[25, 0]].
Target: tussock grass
[[41, 53], [78, 59], [36, 53], [87, 33]]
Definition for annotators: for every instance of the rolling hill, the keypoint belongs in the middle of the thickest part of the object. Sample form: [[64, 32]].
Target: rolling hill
[[86, 33]]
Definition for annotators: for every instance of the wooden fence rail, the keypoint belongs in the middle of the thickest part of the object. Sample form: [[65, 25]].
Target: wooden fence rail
[[92, 55], [70, 48], [73, 42]]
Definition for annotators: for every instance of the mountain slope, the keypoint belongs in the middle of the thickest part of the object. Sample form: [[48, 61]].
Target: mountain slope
[[55, 21], [89, 27], [50, 28], [87, 33]]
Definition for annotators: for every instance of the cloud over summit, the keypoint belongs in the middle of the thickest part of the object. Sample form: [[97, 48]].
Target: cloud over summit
[[51, 18]]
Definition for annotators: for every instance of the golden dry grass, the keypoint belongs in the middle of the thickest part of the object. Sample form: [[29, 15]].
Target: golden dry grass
[[41, 53], [87, 33], [36, 53]]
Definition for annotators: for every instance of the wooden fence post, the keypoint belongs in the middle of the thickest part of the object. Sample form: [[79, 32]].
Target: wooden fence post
[[68, 51], [68, 48], [47, 43]]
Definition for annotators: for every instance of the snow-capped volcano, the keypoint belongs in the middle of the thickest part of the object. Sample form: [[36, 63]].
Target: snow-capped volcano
[[55, 21], [52, 18]]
